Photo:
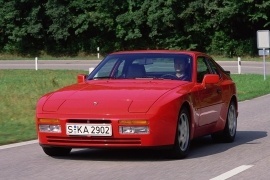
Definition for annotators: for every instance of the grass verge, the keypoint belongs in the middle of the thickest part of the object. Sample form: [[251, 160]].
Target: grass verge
[[20, 90]]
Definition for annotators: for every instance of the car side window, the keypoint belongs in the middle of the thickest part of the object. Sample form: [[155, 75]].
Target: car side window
[[213, 67], [202, 68]]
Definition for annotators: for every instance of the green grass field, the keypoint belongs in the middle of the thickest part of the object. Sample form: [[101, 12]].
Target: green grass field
[[20, 90]]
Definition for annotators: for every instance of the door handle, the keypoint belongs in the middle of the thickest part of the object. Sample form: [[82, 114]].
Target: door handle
[[218, 90]]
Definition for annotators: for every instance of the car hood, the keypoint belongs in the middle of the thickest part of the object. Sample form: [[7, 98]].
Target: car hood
[[108, 97]]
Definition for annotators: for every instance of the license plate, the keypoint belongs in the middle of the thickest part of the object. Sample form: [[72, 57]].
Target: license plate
[[89, 129]]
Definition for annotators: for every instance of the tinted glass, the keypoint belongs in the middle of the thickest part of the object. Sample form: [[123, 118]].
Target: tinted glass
[[156, 66]]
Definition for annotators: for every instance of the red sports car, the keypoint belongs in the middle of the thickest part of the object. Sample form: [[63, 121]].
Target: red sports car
[[139, 99]]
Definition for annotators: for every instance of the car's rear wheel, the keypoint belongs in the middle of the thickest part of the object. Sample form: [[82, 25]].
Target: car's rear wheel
[[182, 138], [229, 132], [56, 151]]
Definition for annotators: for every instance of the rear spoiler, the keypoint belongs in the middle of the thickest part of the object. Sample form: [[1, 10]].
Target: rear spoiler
[[228, 73]]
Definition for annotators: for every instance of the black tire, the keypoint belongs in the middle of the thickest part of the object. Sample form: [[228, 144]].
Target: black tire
[[229, 132], [56, 151], [182, 136]]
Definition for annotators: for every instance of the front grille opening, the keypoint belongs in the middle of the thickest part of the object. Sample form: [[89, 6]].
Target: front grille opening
[[89, 141]]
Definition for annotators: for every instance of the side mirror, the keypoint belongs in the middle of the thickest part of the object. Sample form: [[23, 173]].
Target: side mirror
[[81, 78], [210, 79], [207, 79]]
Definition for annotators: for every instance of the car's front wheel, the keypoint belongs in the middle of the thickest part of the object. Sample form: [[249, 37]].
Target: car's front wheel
[[56, 151], [182, 138], [229, 132]]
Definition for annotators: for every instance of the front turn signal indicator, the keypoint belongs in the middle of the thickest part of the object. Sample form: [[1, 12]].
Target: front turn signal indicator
[[48, 121], [133, 122]]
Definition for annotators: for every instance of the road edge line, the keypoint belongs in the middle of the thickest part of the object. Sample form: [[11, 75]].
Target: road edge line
[[18, 144]]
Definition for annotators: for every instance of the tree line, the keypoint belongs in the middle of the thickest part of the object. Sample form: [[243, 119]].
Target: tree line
[[67, 27]]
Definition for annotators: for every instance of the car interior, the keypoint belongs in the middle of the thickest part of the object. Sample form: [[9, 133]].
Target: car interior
[[135, 71]]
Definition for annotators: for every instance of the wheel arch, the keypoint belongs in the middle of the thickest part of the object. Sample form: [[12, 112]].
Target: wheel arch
[[183, 142]]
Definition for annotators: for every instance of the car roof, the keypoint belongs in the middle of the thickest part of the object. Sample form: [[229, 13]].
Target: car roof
[[196, 53]]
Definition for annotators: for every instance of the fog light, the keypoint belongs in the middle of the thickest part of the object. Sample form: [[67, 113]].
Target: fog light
[[50, 128], [133, 129]]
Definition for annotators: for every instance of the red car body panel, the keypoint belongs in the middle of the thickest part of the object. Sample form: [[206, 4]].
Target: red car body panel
[[155, 100]]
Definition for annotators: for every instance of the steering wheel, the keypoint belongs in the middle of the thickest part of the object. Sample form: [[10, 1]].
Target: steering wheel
[[168, 76]]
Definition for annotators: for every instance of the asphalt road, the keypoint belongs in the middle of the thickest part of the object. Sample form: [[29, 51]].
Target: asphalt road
[[246, 158], [246, 66]]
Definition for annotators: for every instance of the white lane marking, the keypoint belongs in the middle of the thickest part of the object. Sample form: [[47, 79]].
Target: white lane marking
[[232, 172], [18, 144]]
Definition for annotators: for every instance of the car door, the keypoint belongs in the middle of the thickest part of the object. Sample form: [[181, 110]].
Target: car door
[[210, 97]]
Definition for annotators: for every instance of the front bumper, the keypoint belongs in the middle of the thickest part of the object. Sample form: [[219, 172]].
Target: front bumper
[[161, 133]]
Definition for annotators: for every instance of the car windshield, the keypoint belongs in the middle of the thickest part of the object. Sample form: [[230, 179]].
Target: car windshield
[[144, 65]]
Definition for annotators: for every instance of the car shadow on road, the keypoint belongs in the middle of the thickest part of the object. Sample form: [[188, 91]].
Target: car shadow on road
[[204, 146], [200, 147]]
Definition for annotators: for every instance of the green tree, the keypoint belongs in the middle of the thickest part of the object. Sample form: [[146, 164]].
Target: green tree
[[67, 27], [21, 26]]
